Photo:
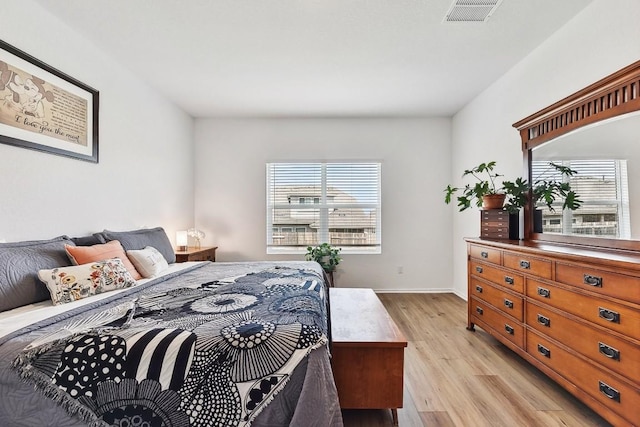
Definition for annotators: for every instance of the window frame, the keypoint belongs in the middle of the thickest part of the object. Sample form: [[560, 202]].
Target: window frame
[[326, 206]]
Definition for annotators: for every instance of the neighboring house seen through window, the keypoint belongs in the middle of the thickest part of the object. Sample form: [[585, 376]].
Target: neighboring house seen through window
[[312, 203]]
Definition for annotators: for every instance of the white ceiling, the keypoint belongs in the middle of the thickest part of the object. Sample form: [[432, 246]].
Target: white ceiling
[[313, 57]]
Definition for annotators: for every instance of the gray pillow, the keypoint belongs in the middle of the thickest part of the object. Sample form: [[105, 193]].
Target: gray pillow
[[94, 239], [140, 239], [19, 266]]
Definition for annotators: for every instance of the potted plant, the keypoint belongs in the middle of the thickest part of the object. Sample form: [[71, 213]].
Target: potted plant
[[545, 191], [328, 257], [325, 255], [484, 193], [513, 195]]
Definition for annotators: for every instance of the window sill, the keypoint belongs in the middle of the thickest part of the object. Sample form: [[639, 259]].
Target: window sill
[[284, 250]]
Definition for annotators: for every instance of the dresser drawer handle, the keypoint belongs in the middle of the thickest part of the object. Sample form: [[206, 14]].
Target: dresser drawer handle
[[479, 269], [609, 391], [546, 293], [479, 289], [509, 329], [544, 320], [508, 303], [508, 280], [593, 280], [525, 264], [544, 351], [609, 351], [484, 254], [609, 315], [479, 311]]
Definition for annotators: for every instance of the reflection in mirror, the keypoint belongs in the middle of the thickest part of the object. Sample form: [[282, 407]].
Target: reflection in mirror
[[606, 157]]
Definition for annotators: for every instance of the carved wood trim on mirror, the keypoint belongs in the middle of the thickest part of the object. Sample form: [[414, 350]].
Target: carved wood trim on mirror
[[612, 96]]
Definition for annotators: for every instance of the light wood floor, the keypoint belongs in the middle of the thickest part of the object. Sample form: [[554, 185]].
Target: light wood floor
[[454, 377]]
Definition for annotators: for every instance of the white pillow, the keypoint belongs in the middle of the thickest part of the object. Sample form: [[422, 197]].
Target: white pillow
[[148, 261], [67, 284]]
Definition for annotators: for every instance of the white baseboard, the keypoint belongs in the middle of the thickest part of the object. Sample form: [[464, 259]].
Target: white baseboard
[[463, 296], [414, 291], [421, 291]]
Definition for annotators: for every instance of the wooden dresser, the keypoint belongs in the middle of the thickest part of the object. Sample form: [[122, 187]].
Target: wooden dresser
[[571, 311]]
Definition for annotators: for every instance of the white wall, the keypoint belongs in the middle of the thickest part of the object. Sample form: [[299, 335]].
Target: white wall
[[145, 174], [603, 38], [230, 190]]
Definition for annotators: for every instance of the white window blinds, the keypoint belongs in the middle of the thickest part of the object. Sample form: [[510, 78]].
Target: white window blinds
[[311, 203]]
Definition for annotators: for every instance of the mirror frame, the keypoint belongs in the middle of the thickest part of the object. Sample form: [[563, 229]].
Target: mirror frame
[[612, 96]]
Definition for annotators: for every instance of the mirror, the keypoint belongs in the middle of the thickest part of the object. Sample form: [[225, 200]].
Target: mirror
[[595, 132], [606, 158]]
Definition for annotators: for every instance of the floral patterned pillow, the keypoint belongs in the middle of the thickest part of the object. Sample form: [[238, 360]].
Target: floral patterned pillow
[[67, 284]]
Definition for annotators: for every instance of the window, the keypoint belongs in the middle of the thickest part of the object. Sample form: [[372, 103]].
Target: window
[[313, 203], [602, 185]]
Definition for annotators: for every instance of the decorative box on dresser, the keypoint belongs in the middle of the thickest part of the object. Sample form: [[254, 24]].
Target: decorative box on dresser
[[498, 224], [571, 311]]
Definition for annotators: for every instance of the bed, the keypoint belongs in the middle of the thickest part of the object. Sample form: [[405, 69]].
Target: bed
[[197, 344]]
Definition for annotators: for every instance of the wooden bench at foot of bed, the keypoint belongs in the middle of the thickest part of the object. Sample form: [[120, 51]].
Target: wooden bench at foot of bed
[[367, 351]]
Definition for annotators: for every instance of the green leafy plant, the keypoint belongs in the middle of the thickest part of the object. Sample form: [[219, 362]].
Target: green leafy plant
[[325, 255], [516, 192], [545, 191], [548, 190], [485, 185]]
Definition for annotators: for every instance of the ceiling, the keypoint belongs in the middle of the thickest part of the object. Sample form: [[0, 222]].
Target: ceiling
[[305, 58]]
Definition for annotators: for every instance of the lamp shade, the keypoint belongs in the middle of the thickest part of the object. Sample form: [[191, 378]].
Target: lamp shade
[[182, 240]]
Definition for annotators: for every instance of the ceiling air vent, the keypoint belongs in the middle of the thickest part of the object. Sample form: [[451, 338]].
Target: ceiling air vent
[[471, 10]]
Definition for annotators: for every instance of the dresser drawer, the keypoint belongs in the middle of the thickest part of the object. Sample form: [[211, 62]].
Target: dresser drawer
[[205, 256], [495, 232], [526, 264], [599, 281], [497, 275], [601, 385], [615, 353], [499, 216], [617, 317], [501, 324], [510, 304], [487, 254]]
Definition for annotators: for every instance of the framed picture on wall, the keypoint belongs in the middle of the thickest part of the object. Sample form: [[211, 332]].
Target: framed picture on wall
[[42, 108]]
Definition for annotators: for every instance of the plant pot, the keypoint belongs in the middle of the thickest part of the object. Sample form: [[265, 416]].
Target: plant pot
[[493, 201]]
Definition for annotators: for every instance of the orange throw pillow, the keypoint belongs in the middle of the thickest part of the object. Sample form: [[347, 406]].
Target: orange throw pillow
[[85, 254]]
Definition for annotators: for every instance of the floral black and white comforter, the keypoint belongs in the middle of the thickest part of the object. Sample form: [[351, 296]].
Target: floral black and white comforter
[[221, 344]]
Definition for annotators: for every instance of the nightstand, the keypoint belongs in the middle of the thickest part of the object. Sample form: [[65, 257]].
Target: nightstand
[[197, 254]]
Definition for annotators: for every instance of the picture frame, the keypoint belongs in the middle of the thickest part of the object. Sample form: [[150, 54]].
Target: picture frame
[[44, 109]]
